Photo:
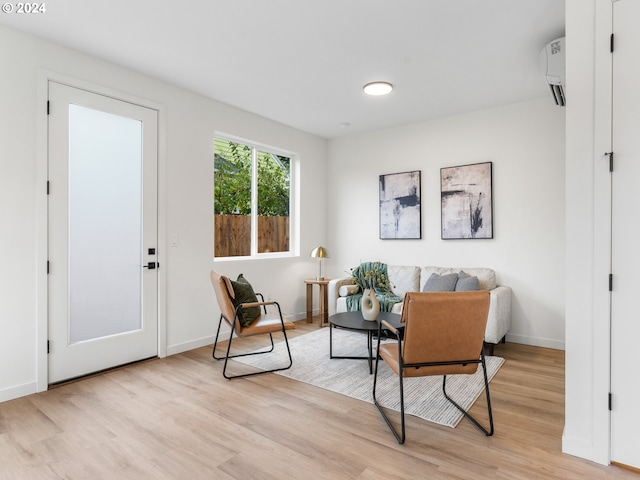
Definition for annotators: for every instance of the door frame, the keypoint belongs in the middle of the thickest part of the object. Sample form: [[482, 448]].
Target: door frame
[[42, 215]]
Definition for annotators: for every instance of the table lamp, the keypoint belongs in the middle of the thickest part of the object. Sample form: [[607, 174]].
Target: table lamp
[[320, 253]]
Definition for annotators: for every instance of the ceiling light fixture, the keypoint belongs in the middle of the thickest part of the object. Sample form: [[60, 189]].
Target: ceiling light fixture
[[378, 88]]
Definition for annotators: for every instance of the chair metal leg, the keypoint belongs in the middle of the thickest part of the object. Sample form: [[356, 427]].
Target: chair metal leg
[[215, 343], [400, 437], [213, 354], [488, 432], [228, 356]]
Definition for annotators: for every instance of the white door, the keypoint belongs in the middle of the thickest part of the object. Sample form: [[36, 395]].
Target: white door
[[102, 232], [625, 309]]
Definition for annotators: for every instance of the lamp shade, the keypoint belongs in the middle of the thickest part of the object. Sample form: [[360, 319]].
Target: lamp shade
[[320, 252]]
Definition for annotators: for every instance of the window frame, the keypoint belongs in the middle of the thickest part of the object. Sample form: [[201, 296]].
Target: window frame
[[294, 199]]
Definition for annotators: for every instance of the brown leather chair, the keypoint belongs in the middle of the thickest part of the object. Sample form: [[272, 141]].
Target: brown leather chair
[[439, 334], [266, 323]]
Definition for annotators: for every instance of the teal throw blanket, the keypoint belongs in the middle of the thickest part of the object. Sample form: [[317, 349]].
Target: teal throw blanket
[[372, 275]]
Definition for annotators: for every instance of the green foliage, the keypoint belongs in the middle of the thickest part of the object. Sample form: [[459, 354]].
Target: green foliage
[[273, 185], [232, 178], [232, 181]]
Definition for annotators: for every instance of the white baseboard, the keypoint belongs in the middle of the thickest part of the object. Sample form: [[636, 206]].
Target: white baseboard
[[582, 449], [193, 344], [536, 341], [205, 341], [12, 393]]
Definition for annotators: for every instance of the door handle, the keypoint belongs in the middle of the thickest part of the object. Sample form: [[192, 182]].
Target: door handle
[[151, 265]]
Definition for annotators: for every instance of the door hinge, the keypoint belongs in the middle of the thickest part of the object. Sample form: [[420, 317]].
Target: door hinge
[[610, 155], [48, 265], [48, 187], [48, 107], [610, 401], [48, 347], [611, 282], [611, 43]]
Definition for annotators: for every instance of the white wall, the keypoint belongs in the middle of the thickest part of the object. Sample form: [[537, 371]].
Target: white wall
[[188, 122], [525, 142]]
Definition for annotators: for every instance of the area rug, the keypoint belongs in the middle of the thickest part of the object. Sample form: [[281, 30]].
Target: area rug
[[423, 395]]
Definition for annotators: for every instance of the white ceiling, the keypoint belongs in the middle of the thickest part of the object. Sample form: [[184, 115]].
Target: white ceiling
[[303, 63]]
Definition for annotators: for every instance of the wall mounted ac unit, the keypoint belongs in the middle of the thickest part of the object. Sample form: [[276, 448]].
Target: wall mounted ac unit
[[552, 64]]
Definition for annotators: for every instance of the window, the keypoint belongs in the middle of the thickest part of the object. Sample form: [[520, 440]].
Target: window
[[252, 199]]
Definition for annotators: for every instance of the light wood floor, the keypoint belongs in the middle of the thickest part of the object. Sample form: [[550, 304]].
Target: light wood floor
[[178, 418]]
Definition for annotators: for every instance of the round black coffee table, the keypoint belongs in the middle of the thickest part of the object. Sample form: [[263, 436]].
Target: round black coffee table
[[354, 321]]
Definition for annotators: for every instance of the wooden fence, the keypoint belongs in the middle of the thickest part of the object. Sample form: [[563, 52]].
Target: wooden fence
[[232, 235]]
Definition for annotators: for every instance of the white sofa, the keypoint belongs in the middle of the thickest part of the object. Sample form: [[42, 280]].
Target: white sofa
[[405, 279]]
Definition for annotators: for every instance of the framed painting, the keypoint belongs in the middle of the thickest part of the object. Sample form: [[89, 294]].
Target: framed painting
[[467, 201], [400, 215]]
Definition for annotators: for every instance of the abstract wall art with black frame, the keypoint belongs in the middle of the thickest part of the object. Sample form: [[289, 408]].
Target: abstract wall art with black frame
[[400, 215], [467, 201]]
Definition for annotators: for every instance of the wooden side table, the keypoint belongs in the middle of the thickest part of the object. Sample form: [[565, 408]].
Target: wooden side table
[[323, 300]]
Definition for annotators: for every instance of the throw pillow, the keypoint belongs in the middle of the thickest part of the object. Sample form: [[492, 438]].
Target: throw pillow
[[467, 283], [346, 290], [244, 293], [441, 283]]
